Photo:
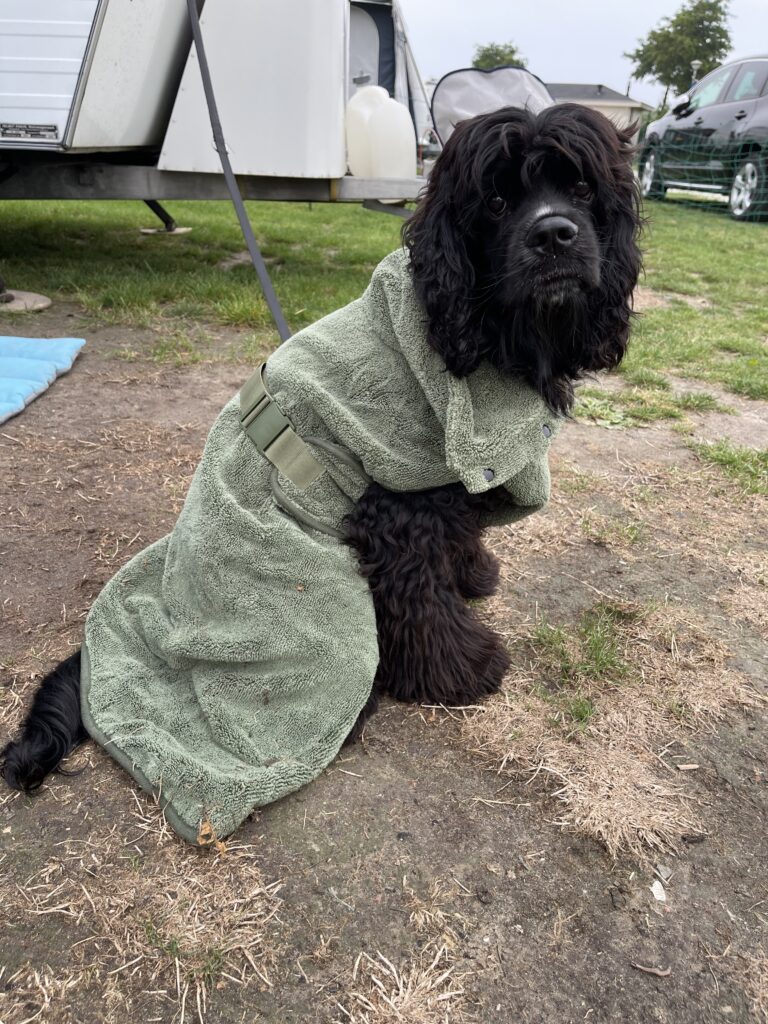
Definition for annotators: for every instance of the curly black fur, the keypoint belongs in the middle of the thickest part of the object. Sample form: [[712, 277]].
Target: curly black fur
[[487, 293], [423, 557], [51, 731], [523, 251]]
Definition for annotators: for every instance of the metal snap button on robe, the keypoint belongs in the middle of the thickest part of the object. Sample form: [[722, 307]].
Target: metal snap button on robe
[[488, 474], [546, 430]]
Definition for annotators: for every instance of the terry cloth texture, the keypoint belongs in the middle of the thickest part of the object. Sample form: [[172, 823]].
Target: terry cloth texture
[[30, 365], [225, 664]]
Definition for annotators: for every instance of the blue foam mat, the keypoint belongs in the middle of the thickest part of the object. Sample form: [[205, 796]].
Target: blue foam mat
[[30, 365]]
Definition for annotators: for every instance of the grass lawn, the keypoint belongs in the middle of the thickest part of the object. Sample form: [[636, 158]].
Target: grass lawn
[[703, 254], [321, 256], [707, 272]]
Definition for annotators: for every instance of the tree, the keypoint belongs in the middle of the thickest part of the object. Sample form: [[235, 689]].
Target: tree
[[493, 55], [697, 32]]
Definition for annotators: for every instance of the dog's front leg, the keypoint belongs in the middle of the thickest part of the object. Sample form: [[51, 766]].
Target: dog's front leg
[[433, 647]]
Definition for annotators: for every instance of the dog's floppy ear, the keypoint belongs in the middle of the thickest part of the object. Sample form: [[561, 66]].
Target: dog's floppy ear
[[619, 198], [437, 237]]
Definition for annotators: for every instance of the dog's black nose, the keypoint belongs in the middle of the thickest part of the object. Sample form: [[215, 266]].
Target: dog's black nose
[[553, 235]]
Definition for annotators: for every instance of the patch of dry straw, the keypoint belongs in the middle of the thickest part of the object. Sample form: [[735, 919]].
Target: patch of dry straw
[[754, 977], [608, 771], [424, 990], [158, 918], [424, 987]]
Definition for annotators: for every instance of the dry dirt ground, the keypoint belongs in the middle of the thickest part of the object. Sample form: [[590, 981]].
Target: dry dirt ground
[[504, 864]]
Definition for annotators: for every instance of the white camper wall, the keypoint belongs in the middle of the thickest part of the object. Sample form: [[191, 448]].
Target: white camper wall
[[89, 74], [42, 45], [131, 75], [279, 71]]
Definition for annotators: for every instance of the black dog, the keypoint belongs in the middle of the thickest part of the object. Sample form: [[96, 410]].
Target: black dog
[[523, 252]]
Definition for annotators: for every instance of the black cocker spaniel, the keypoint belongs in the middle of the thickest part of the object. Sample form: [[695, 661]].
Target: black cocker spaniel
[[523, 251]]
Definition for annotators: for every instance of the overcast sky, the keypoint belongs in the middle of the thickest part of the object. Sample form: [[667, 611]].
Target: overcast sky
[[563, 40]]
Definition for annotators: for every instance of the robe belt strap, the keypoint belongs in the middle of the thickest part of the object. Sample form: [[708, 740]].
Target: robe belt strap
[[272, 433]]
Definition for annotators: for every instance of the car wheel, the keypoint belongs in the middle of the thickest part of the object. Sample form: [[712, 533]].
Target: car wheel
[[650, 182], [748, 198]]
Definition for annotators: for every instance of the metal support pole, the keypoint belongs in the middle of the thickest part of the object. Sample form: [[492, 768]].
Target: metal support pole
[[245, 225]]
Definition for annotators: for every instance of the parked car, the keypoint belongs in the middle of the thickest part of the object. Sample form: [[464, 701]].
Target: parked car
[[715, 139]]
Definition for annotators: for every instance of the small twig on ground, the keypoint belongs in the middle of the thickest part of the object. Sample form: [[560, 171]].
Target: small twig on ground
[[659, 972]]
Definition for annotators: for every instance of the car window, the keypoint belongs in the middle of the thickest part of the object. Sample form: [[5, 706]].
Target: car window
[[711, 89], [749, 81]]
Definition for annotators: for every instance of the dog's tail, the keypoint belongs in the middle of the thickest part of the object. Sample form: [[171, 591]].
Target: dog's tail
[[51, 730]]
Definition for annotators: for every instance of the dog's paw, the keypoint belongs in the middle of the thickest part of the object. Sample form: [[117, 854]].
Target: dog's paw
[[477, 573], [484, 674], [491, 675], [479, 671]]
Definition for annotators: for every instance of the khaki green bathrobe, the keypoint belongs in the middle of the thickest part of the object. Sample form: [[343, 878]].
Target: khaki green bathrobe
[[225, 664]]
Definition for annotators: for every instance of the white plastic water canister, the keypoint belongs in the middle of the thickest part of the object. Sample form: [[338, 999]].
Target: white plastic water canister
[[381, 139], [393, 141], [359, 110]]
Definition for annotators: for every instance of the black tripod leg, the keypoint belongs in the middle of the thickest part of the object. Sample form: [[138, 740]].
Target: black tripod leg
[[162, 213]]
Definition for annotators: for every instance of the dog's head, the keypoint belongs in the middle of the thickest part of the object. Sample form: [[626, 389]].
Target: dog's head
[[523, 248]]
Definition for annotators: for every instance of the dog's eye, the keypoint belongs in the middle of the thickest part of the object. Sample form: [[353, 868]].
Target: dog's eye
[[581, 190], [496, 205]]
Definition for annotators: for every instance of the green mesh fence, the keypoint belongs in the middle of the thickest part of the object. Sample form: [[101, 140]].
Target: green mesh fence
[[711, 148]]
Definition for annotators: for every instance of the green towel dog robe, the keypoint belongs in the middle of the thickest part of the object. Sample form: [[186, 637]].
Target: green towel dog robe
[[225, 664]]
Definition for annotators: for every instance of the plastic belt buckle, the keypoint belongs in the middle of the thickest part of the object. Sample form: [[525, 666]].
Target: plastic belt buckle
[[273, 435]]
